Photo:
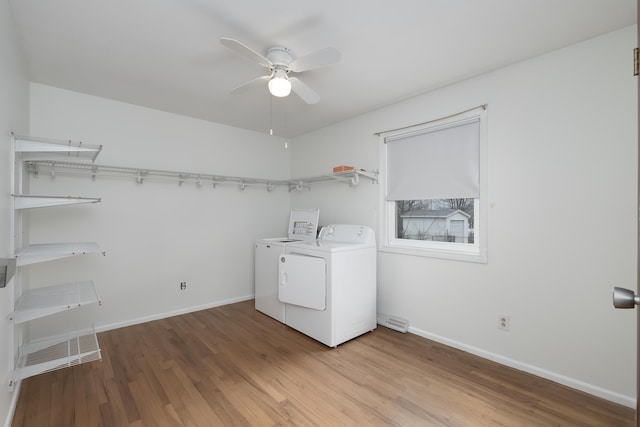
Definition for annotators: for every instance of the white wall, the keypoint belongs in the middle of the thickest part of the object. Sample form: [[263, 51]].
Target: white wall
[[14, 114], [562, 150], [156, 234]]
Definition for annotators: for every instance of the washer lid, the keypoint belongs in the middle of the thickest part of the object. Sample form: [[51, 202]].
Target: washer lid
[[303, 224]]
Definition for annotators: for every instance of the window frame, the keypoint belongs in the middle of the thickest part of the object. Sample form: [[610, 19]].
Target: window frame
[[387, 242]]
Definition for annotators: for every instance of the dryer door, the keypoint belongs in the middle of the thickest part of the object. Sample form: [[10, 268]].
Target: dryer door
[[302, 281]]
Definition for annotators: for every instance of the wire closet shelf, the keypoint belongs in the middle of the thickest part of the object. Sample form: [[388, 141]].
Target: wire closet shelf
[[140, 175]]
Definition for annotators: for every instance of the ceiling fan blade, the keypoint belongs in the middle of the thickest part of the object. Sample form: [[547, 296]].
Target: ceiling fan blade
[[244, 86], [318, 59], [245, 51], [307, 94]]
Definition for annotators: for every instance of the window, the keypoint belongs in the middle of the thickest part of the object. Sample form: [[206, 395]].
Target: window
[[433, 188]]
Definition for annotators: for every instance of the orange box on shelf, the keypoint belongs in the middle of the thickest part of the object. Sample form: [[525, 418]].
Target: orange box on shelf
[[343, 168]]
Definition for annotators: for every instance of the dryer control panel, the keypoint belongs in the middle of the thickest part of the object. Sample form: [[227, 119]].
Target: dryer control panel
[[303, 224], [348, 233]]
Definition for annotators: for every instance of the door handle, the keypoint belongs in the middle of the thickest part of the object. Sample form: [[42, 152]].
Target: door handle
[[624, 298]]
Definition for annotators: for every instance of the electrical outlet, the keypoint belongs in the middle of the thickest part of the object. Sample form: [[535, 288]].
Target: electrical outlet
[[183, 286], [503, 322]]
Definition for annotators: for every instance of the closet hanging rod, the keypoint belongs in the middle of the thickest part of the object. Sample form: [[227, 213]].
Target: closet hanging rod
[[53, 167], [36, 167]]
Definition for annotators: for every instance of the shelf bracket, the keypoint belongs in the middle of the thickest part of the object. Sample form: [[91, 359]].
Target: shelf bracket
[[140, 176], [33, 168], [299, 186], [372, 175]]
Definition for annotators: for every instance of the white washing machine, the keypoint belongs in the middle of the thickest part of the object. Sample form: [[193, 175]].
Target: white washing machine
[[303, 226], [329, 285]]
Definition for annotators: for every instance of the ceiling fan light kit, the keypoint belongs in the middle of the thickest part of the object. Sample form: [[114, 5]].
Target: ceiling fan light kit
[[279, 85], [280, 62]]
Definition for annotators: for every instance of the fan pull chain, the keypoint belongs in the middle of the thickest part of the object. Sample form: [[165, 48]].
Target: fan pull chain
[[270, 115], [286, 128]]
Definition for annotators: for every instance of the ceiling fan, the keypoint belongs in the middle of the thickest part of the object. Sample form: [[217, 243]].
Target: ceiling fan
[[281, 62]]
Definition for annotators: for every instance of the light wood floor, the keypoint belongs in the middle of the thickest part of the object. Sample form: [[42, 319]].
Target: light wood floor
[[233, 365]]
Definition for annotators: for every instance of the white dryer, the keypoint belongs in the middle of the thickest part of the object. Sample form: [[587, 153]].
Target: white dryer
[[329, 285], [303, 225]]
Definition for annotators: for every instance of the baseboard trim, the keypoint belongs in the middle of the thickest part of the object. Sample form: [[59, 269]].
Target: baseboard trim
[[543, 373], [158, 316]]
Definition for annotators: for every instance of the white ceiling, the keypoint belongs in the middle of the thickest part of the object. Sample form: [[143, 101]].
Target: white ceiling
[[166, 55]]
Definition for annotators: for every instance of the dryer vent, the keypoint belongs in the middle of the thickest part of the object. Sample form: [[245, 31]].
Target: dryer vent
[[393, 322]]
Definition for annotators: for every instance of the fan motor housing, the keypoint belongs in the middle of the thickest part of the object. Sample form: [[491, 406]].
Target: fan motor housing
[[279, 55]]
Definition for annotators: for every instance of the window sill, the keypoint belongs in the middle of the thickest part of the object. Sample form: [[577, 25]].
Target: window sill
[[480, 258]]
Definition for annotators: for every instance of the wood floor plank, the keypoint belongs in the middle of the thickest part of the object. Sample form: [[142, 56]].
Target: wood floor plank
[[192, 397], [41, 412], [57, 394], [67, 400], [149, 405], [234, 366]]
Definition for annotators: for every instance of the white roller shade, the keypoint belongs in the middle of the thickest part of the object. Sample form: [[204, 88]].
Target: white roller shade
[[439, 163]]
